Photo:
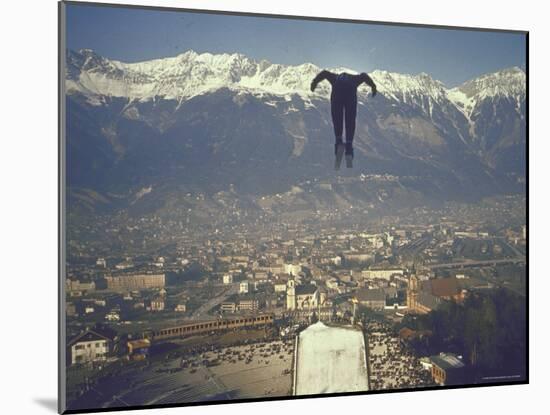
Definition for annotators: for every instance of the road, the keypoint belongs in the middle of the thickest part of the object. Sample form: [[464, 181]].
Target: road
[[476, 263], [202, 311], [413, 248], [511, 247]]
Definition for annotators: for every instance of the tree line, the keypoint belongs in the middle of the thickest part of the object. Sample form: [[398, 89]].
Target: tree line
[[488, 329]]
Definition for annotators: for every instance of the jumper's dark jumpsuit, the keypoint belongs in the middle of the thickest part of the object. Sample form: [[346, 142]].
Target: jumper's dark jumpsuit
[[343, 100]]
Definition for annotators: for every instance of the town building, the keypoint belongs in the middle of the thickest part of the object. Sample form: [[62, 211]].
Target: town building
[[292, 269], [303, 297], [71, 310], [384, 274], [129, 282], [91, 346], [291, 295], [279, 287], [248, 304], [445, 288], [425, 296], [157, 304], [180, 308], [358, 257], [374, 298], [261, 277], [75, 285], [447, 369], [228, 307], [243, 287], [307, 296], [112, 316], [124, 265]]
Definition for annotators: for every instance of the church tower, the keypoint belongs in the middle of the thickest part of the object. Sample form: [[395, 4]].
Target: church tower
[[290, 295], [412, 292]]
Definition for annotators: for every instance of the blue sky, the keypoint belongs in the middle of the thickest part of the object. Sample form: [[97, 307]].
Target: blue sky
[[452, 56]]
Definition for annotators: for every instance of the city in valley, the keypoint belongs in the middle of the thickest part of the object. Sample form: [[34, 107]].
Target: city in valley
[[162, 309]]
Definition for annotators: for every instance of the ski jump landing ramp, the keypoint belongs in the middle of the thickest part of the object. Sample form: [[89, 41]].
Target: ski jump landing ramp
[[330, 359]]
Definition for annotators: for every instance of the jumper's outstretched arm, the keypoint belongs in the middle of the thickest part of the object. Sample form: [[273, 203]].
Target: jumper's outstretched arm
[[363, 77], [321, 76]]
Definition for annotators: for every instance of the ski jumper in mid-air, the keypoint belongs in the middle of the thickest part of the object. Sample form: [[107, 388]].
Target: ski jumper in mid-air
[[343, 100]]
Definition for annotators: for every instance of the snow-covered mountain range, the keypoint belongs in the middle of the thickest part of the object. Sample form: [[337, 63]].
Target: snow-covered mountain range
[[190, 74], [239, 111]]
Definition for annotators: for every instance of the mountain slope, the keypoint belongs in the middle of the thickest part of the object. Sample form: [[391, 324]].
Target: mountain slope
[[495, 105], [207, 123]]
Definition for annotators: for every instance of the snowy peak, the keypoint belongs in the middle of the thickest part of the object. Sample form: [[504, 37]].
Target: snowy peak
[[403, 84], [508, 83], [183, 76], [88, 60], [418, 90]]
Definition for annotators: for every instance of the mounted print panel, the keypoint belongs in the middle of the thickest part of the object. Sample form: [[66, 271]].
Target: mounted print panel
[[273, 207]]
